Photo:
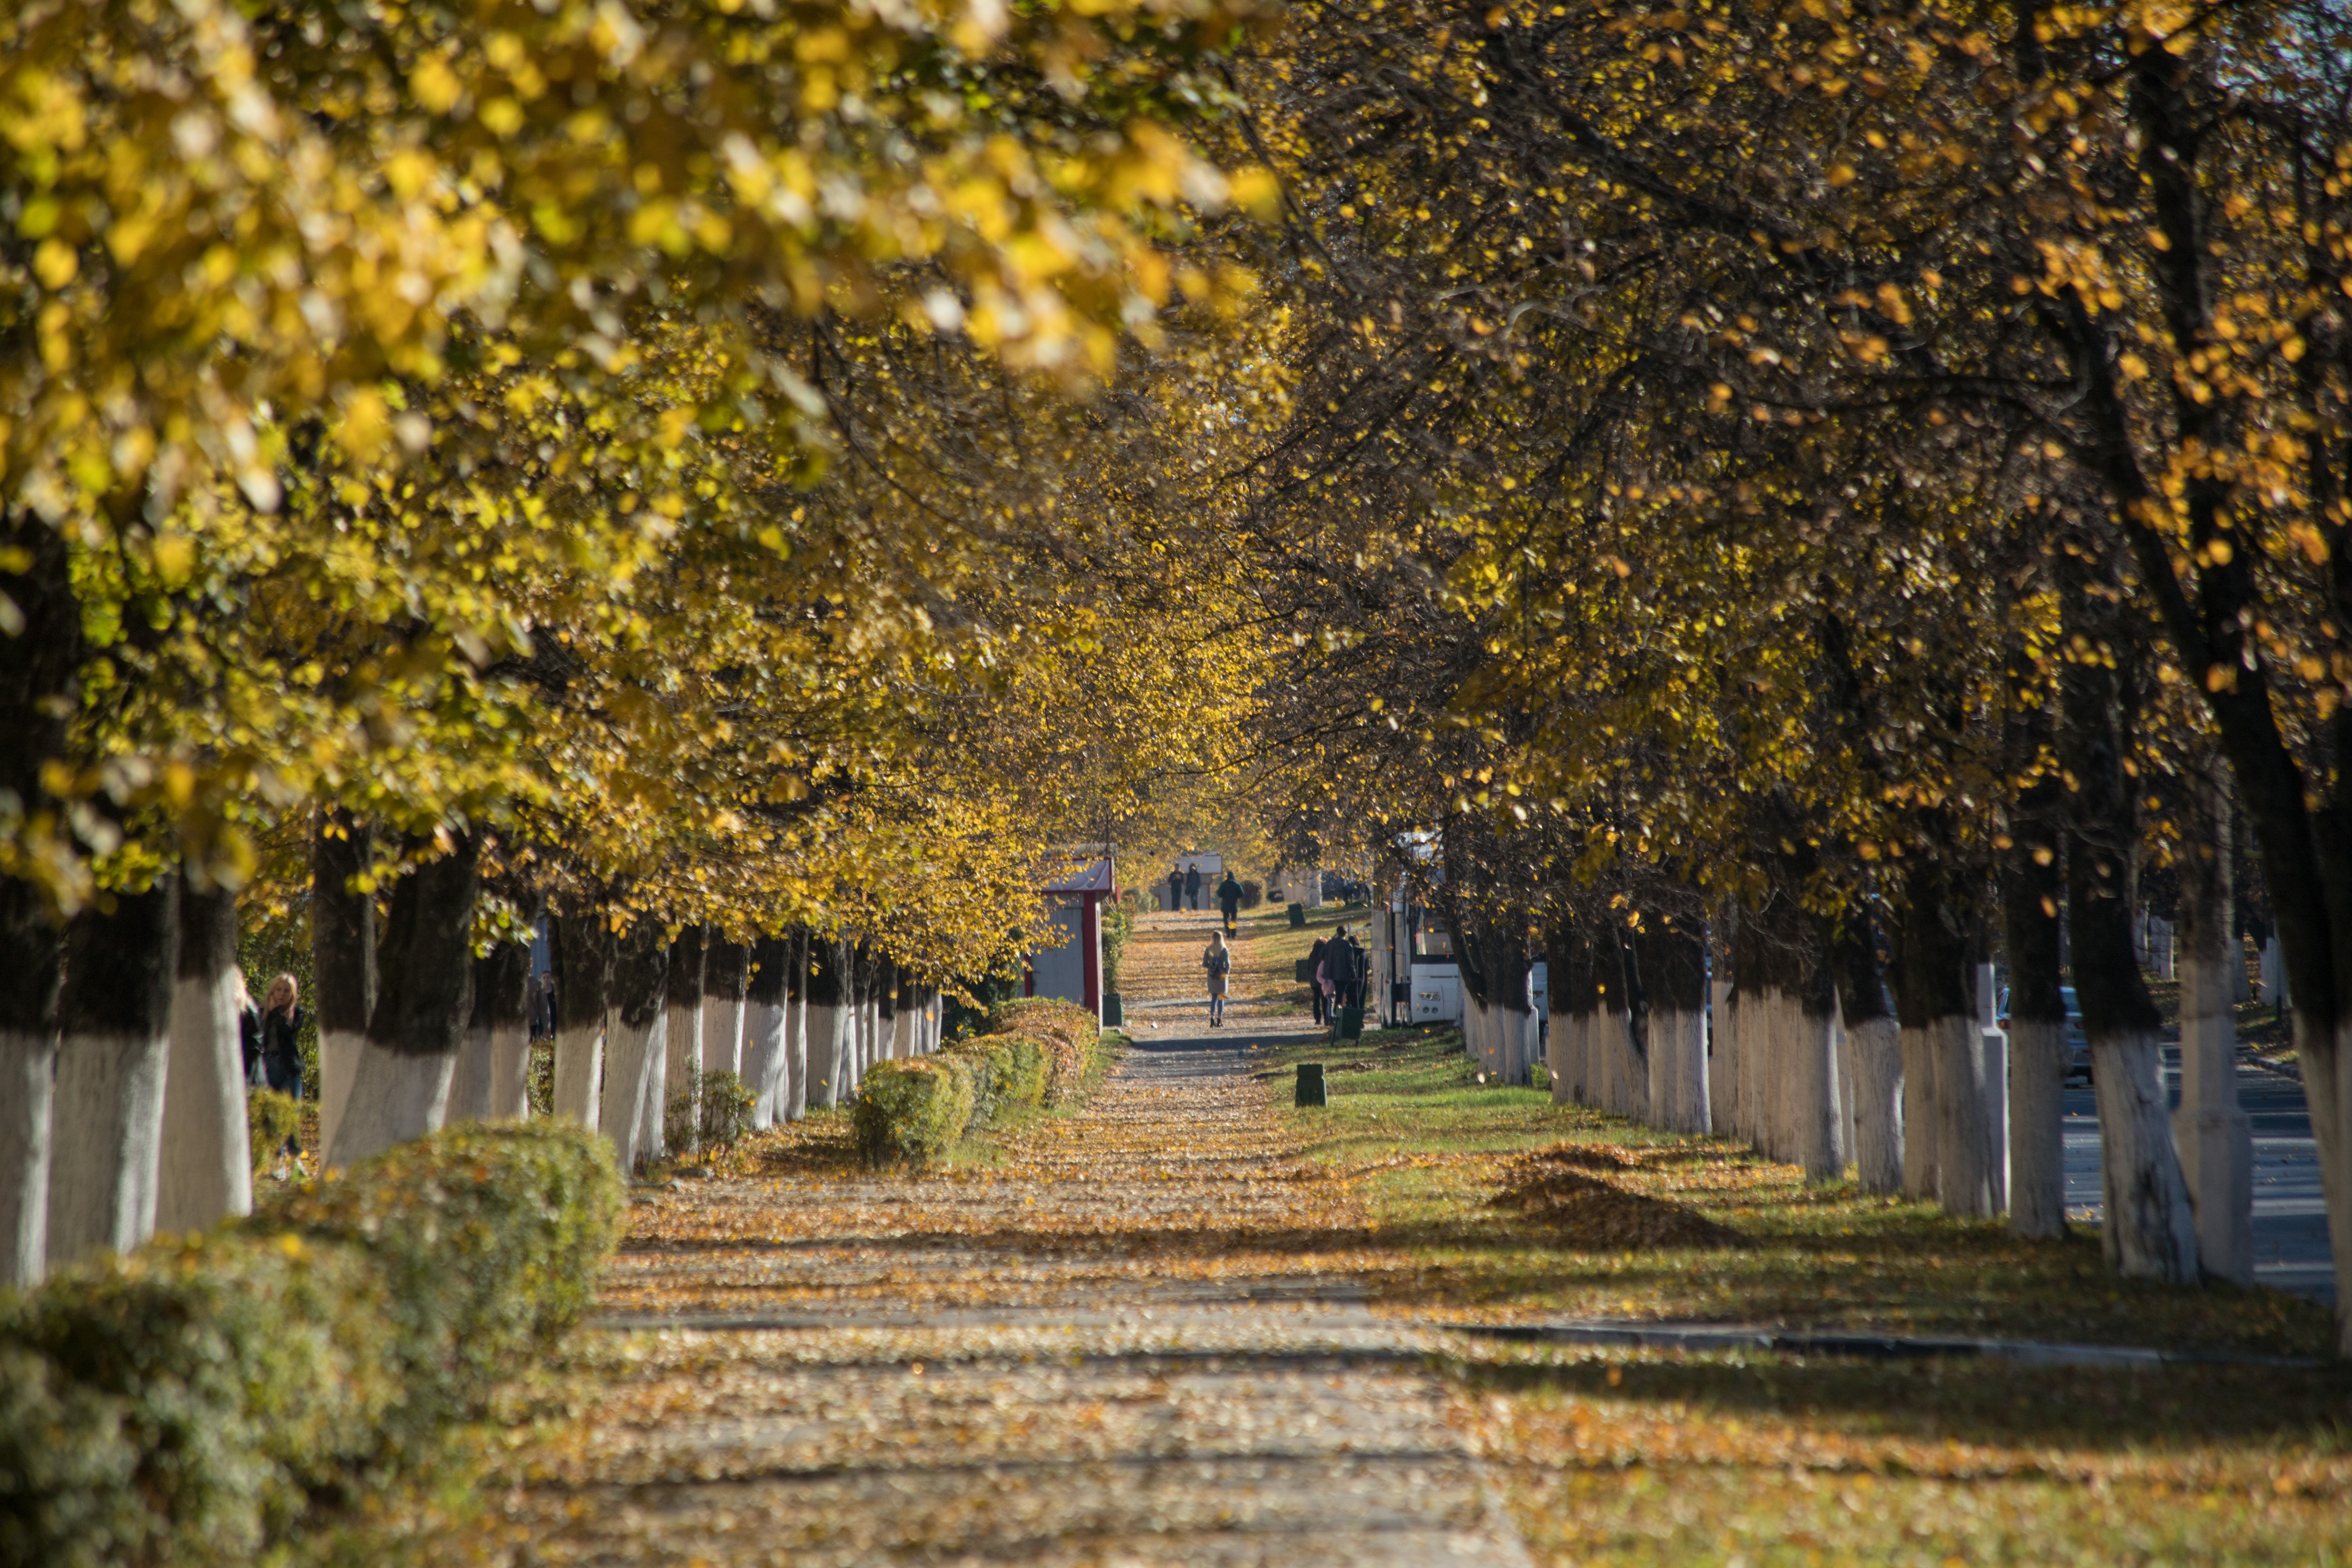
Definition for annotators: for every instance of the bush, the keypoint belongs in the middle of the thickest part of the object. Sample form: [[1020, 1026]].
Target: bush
[[190, 1402], [913, 1111], [271, 1118], [1253, 895], [712, 1111], [1033, 1052]]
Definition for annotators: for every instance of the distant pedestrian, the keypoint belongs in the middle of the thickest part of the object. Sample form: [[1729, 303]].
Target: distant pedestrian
[[1338, 974], [1218, 959], [547, 1005], [281, 1044], [1315, 976], [1192, 887], [1229, 900], [1175, 889], [534, 999]]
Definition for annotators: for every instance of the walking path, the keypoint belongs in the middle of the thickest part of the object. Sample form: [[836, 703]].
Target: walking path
[[1133, 1342]]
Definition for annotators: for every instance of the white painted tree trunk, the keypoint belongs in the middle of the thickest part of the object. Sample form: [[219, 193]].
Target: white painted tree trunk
[[27, 1081], [795, 1104], [207, 1159], [1965, 1182], [2324, 1056], [510, 1069], [2037, 1147], [338, 1060], [682, 1047], [1557, 1056], [828, 1031], [2147, 1231], [763, 1056], [723, 1035], [2212, 1131], [653, 1134], [1722, 1059], [469, 1081], [1877, 1052], [579, 1072], [107, 1134], [629, 1055], [395, 1097], [1843, 1058], [1660, 1088], [1920, 1137], [1819, 1120]]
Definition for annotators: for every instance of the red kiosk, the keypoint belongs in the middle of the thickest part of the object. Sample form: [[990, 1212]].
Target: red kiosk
[[1072, 969]]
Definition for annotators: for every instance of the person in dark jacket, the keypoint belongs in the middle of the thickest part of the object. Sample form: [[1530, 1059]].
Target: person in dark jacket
[[281, 1044], [1315, 974], [1229, 900], [1175, 890], [1192, 887]]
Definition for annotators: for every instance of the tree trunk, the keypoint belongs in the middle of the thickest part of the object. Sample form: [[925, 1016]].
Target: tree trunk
[[634, 1042], [2212, 1131], [683, 1032], [1942, 1039], [1673, 979], [828, 1022], [114, 1021], [726, 970], [342, 958], [2148, 1230], [39, 667], [885, 1008], [207, 1172], [497, 1038], [400, 1088], [796, 1029], [511, 1033], [2032, 887], [583, 941], [1876, 1050], [904, 1044], [766, 1016]]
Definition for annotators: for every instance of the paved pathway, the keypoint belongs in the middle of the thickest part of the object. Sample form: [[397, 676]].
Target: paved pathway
[[2291, 1247], [1131, 1344]]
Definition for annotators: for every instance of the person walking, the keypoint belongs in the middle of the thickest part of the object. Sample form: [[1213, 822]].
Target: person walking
[[1229, 900], [1315, 974], [534, 999], [248, 1034], [1192, 887], [1175, 889], [1338, 975], [1218, 959], [281, 1046]]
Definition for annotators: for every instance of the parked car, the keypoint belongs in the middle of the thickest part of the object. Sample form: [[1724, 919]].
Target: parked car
[[2078, 1044]]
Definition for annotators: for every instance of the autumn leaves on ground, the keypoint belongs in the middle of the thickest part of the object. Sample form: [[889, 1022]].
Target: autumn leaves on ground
[[1185, 1322]]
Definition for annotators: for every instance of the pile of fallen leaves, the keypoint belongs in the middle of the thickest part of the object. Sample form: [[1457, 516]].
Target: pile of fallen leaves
[[1554, 1186]]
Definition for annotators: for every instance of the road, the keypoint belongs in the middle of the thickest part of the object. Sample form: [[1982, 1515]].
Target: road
[[2290, 1250]]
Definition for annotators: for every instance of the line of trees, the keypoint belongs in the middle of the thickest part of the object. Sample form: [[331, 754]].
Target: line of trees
[[1833, 483], [459, 463]]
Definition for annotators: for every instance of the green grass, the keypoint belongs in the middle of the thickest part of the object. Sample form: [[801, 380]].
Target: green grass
[[1434, 1146], [1648, 1458]]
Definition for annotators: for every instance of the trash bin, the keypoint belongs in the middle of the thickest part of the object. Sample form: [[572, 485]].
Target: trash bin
[[1310, 1084], [1351, 1023], [1298, 917], [1114, 1015]]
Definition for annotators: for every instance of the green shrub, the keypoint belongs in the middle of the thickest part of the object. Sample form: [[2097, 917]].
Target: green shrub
[[913, 1111], [188, 1402], [1035, 1052], [712, 1111], [271, 1118]]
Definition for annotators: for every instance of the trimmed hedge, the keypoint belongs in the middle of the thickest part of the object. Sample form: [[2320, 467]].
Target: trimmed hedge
[[190, 1402], [1033, 1052]]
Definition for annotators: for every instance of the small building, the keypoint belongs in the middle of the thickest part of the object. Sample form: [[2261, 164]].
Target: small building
[[1072, 969]]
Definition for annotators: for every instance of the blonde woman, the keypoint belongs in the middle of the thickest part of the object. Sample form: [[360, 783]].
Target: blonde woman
[[1218, 959]]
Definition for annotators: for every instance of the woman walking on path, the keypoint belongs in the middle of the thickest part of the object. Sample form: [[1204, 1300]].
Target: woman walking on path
[[1315, 976], [281, 1043], [1219, 962]]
